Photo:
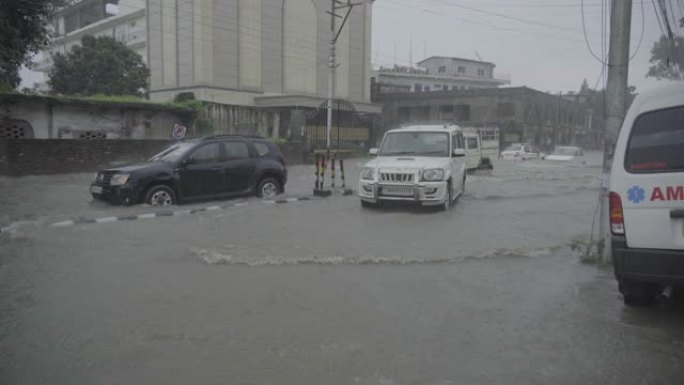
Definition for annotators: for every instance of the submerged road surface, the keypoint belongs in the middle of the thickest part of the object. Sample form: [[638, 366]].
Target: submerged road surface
[[323, 291]]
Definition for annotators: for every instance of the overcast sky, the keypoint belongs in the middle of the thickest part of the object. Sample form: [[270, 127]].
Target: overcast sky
[[538, 43]]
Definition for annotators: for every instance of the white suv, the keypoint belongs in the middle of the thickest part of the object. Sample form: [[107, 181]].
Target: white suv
[[424, 164], [647, 196]]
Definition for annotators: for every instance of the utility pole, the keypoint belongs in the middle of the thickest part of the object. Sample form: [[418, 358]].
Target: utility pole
[[616, 96], [332, 65]]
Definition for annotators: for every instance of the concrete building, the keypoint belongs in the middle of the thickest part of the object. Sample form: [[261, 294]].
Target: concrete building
[[123, 20], [257, 53], [438, 73], [521, 113]]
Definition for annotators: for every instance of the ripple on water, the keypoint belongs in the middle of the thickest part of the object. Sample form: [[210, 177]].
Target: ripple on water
[[217, 257]]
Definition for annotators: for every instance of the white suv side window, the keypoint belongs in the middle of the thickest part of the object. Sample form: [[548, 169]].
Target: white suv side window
[[458, 140]]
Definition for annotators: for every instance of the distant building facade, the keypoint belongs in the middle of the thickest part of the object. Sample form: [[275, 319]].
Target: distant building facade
[[521, 113], [257, 53], [438, 73], [123, 20]]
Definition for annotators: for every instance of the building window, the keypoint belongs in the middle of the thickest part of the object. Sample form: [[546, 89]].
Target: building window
[[445, 88], [480, 72], [454, 88], [437, 87], [505, 109], [462, 112], [132, 24], [70, 22], [418, 87], [461, 69], [441, 69]]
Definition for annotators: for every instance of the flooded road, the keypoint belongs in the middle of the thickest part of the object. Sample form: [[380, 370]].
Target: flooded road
[[323, 291]]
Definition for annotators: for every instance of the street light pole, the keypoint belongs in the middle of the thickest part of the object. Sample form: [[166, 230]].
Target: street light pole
[[332, 66], [331, 74]]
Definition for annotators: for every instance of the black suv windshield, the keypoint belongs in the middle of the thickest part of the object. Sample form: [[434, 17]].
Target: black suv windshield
[[416, 143], [172, 153]]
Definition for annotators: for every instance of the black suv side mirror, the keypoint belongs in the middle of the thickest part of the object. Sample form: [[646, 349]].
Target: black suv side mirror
[[187, 161]]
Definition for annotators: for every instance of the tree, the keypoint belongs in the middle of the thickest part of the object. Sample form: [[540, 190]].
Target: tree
[[667, 58], [100, 65], [24, 29]]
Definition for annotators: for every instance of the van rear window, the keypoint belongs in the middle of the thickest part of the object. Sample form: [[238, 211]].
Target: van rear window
[[657, 142]]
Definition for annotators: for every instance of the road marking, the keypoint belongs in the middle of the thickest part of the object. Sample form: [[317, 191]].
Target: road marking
[[64, 224], [169, 213], [106, 220]]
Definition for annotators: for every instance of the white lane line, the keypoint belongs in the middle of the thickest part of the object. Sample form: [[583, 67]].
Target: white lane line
[[269, 202], [292, 199], [106, 220], [213, 208], [64, 224], [182, 212], [240, 204], [146, 216]]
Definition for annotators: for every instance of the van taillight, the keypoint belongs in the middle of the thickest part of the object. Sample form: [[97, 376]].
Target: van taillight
[[617, 220]]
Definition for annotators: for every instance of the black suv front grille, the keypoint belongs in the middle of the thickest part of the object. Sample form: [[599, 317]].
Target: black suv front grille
[[105, 177]]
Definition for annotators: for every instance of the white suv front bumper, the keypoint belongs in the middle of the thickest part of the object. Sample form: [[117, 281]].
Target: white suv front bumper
[[425, 193]]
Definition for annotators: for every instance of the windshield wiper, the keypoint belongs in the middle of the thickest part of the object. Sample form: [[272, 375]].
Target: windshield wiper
[[432, 153]]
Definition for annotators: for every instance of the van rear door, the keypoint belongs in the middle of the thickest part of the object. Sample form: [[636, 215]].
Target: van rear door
[[652, 187], [473, 154]]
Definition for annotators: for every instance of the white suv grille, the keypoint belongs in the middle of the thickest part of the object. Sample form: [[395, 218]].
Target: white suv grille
[[396, 177]]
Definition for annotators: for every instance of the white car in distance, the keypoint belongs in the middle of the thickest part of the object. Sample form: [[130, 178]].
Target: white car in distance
[[565, 154], [521, 151], [423, 164]]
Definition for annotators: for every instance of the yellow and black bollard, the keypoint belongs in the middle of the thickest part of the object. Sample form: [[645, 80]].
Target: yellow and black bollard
[[319, 189], [332, 170], [345, 190]]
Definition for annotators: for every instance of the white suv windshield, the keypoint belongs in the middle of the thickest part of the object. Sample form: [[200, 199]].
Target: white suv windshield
[[416, 143]]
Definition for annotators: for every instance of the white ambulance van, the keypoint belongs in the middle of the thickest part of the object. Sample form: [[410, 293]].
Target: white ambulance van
[[647, 196]]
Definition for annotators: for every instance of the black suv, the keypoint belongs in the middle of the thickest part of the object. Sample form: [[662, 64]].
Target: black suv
[[218, 166]]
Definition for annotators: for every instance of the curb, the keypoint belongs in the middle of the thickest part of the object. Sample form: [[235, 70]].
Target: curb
[[170, 213]]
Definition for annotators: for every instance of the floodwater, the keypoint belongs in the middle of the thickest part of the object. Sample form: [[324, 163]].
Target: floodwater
[[323, 291]]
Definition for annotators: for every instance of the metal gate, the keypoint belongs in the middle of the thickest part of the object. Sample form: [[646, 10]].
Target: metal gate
[[350, 129]]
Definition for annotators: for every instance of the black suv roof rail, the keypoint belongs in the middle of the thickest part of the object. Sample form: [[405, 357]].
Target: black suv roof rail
[[232, 136]]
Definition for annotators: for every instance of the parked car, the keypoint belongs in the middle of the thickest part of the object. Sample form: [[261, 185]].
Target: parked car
[[213, 167], [647, 196], [565, 154], [422, 164], [522, 151]]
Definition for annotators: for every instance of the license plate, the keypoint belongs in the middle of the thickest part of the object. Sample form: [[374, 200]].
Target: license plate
[[401, 191], [96, 189]]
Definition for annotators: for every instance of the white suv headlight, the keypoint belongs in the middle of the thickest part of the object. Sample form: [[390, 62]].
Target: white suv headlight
[[367, 173], [119, 179], [433, 174]]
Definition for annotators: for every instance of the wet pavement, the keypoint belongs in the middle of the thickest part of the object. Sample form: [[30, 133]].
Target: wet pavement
[[323, 291]]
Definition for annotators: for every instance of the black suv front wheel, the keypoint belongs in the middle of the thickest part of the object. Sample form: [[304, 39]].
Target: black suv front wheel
[[160, 195], [268, 188]]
